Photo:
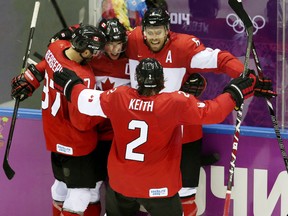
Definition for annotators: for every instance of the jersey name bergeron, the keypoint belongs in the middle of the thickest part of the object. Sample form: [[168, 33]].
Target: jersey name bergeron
[[136, 104], [52, 62]]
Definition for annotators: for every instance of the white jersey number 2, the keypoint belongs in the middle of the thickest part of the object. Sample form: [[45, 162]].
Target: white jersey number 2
[[136, 124]]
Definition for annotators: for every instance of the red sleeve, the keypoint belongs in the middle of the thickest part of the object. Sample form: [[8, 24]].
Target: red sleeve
[[81, 121], [132, 42], [209, 111], [41, 67], [76, 92], [229, 64], [186, 46], [191, 43]]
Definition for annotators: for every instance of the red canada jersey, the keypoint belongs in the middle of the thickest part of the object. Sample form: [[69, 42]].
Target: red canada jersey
[[109, 74], [66, 130], [144, 160], [182, 55]]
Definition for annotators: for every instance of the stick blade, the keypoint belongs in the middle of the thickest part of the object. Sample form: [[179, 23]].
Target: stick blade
[[7, 169]]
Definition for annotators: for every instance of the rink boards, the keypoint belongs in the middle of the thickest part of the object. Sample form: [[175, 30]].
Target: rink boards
[[260, 180]]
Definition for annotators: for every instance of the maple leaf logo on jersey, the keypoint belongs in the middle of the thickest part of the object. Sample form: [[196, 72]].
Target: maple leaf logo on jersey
[[91, 98], [107, 85]]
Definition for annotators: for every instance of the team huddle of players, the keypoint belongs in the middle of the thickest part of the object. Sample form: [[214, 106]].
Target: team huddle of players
[[112, 112]]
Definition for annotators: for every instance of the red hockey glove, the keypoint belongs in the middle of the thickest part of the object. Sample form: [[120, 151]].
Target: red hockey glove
[[241, 88], [194, 85], [264, 88], [25, 84], [65, 80]]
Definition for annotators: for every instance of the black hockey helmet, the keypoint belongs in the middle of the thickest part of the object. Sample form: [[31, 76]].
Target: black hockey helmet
[[113, 30], [156, 17], [88, 37], [149, 74]]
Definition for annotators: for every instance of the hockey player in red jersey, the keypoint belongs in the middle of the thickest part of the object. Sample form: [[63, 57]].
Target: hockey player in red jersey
[[111, 70], [144, 161], [180, 56], [69, 135]]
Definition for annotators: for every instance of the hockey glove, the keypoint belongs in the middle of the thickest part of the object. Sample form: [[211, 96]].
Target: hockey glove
[[64, 34], [194, 85], [65, 80], [241, 88], [23, 85], [264, 88]]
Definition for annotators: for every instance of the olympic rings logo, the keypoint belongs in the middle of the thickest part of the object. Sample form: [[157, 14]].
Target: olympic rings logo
[[233, 21]]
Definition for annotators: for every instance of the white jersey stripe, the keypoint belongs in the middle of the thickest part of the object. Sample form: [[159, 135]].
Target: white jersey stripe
[[89, 102], [205, 59]]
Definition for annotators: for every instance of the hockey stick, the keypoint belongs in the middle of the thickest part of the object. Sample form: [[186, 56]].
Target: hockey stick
[[236, 5], [59, 13], [271, 110], [62, 20], [6, 166]]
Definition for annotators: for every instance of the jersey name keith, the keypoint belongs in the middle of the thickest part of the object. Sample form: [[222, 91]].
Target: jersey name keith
[[136, 104]]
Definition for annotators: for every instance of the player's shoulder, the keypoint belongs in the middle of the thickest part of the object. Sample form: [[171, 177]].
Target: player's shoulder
[[136, 32], [60, 44], [137, 29], [119, 90], [55, 50], [176, 96], [184, 40], [55, 56], [119, 93], [180, 95], [174, 100]]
